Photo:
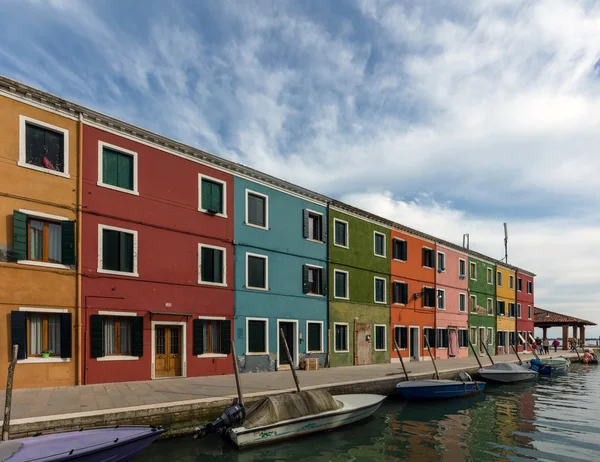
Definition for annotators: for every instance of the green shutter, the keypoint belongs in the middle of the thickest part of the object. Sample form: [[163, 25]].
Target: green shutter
[[19, 235], [256, 336], [126, 252], [218, 266], [96, 336], [198, 326], [65, 335], [18, 324], [206, 195], [68, 242], [110, 250], [226, 337], [137, 336], [306, 286], [110, 167], [305, 223], [125, 171], [217, 197]]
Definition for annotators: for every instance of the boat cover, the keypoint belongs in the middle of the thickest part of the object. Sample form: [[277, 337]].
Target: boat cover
[[505, 368], [274, 409], [8, 448]]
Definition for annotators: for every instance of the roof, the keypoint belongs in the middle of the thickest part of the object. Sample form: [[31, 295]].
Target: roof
[[546, 318]]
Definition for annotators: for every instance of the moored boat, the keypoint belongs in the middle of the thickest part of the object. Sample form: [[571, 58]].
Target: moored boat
[[557, 364], [439, 389], [507, 373]]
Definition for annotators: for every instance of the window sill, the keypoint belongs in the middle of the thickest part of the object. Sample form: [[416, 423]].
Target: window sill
[[314, 240], [117, 188], [43, 264], [401, 261], [216, 284], [250, 353], [341, 246], [118, 358], [35, 360], [380, 256], [380, 303], [263, 289], [314, 352], [212, 355], [264, 228], [399, 304], [341, 298], [118, 273], [220, 215], [341, 351], [375, 349], [42, 169], [314, 295]]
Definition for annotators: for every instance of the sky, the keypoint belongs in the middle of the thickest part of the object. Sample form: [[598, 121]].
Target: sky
[[448, 117]]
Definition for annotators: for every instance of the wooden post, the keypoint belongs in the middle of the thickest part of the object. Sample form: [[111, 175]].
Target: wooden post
[[437, 375], [8, 398], [578, 355], [289, 357], [516, 352], [236, 371], [401, 360], [486, 350], [535, 354], [476, 355]]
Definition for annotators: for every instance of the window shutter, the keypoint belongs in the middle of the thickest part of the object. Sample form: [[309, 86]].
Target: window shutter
[[424, 256], [137, 336], [226, 337], [323, 282], [403, 250], [323, 229], [19, 238], [96, 336], [405, 293], [18, 324], [396, 293], [305, 223], [68, 242], [403, 337], [305, 282], [198, 325], [65, 335]]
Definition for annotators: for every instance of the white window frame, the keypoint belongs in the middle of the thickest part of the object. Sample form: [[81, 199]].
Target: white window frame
[[266, 258], [394, 335], [23, 121], [375, 290], [201, 177], [436, 338], [266, 321], [120, 150], [311, 294], [183, 326], [347, 246], [400, 240], [505, 314], [511, 282], [443, 254], [375, 233], [487, 306], [462, 276], [400, 282], [458, 333], [208, 283], [490, 280], [256, 193], [471, 297], [519, 308], [529, 311], [101, 229], [307, 342], [433, 254], [375, 337], [460, 295], [117, 314], [499, 278], [473, 263], [36, 359], [347, 350], [314, 212], [490, 332], [437, 299], [347, 297], [212, 355], [529, 287]]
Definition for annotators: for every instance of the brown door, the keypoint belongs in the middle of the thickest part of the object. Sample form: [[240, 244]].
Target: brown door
[[168, 351], [363, 343]]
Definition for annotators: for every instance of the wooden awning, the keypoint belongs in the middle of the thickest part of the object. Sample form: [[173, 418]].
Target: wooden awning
[[546, 318]]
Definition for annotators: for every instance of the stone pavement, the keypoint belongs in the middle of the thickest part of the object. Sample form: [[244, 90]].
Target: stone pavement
[[41, 402]]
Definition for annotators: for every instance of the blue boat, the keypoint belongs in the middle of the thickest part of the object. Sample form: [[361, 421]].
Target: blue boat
[[540, 367], [439, 389]]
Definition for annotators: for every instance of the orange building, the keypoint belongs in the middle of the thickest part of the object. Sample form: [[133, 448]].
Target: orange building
[[413, 295]]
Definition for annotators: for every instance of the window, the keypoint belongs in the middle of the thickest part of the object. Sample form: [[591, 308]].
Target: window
[[519, 284], [400, 293], [463, 338], [400, 250], [490, 336], [473, 303], [529, 312], [212, 338], [428, 297], [490, 306], [490, 276], [379, 244], [518, 310], [427, 257], [473, 270], [380, 337], [501, 338], [499, 278], [511, 282], [118, 251], [257, 209], [213, 196], [462, 268], [43, 334], [340, 231], [529, 287], [462, 303], [512, 310], [256, 336], [314, 342], [340, 282], [500, 308], [212, 265], [429, 334], [441, 257], [44, 147], [380, 291], [441, 299], [473, 335], [401, 337], [257, 271], [442, 338], [117, 168], [117, 336], [314, 226], [512, 338], [313, 282], [341, 337], [44, 241]]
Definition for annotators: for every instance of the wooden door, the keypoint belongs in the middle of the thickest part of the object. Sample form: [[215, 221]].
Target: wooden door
[[167, 361], [289, 332], [482, 339], [363, 343]]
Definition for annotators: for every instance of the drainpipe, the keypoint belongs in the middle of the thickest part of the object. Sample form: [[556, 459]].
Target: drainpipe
[[79, 253], [437, 299], [329, 234]]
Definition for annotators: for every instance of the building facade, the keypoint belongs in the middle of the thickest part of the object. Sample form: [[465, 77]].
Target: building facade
[[525, 309], [506, 309], [280, 277], [38, 247], [482, 303], [413, 295], [359, 276]]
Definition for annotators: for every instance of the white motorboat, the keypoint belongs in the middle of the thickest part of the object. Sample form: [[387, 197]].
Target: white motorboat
[[559, 364], [507, 373]]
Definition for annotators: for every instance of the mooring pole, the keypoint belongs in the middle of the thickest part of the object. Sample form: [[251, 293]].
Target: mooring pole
[[8, 398], [516, 353], [476, 355], [437, 375], [486, 350], [289, 357], [401, 360], [236, 371]]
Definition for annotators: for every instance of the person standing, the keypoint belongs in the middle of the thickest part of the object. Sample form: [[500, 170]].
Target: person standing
[[538, 343], [545, 344], [555, 344]]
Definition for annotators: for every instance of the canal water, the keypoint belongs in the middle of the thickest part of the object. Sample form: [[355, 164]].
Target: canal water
[[553, 419]]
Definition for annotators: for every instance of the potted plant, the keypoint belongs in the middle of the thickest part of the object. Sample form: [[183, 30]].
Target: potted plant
[[46, 353]]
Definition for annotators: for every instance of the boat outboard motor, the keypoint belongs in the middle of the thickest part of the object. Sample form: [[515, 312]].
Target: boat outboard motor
[[464, 377], [232, 415]]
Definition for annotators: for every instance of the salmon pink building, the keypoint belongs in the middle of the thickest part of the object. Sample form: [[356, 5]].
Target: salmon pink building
[[452, 317], [525, 308]]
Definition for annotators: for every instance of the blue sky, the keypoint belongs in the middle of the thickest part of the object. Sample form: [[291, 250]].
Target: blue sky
[[450, 120]]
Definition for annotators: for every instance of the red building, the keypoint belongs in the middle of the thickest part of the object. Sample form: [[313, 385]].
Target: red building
[[525, 308], [157, 268]]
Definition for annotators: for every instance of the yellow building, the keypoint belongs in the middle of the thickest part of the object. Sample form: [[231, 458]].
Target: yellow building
[[506, 309], [39, 189]]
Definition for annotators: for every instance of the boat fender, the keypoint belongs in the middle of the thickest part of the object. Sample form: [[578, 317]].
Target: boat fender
[[229, 418]]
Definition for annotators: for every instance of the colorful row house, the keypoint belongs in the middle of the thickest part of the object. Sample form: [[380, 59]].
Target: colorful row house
[[127, 256]]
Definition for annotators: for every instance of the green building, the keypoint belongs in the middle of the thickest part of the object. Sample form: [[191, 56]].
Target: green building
[[359, 275], [482, 302]]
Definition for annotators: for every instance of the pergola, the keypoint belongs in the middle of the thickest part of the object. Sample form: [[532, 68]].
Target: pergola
[[545, 319]]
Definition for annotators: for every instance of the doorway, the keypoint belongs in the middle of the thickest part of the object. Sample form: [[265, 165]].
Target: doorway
[[482, 340], [289, 330], [167, 351], [414, 344], [363, 343]]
